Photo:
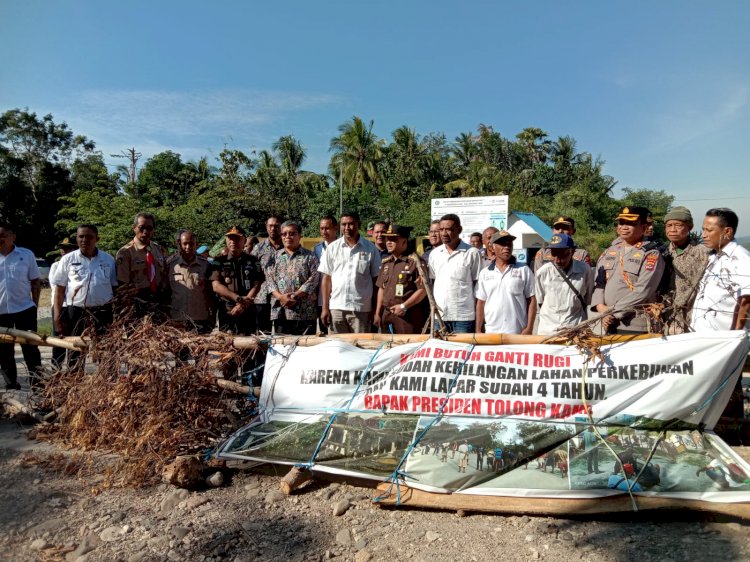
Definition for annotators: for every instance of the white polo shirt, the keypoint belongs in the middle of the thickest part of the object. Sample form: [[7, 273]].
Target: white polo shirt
[[88, 282], [352, 271], [17, 270], [726, 279], [454, 274], [504, 295]]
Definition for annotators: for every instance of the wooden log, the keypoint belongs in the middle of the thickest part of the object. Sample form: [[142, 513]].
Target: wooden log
[[74, 344], [234, 386], [13, 407], [294, 479], [371, 341], [552, 506]]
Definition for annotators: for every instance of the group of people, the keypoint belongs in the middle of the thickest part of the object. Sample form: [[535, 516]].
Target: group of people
[[350, 284]]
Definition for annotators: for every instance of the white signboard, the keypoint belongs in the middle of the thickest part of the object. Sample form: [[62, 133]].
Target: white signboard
[[476, 213]]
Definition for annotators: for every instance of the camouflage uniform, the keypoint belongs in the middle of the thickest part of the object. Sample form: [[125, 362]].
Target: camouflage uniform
[[681, 284]]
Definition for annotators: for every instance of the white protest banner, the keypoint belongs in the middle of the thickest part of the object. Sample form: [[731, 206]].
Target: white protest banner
[[458, 417]]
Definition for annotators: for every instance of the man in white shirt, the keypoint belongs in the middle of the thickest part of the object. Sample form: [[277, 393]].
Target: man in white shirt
[[505, 291], [19, 297], [723, 300], [85, 282], [455, 266], [563, 287], [349, 266]]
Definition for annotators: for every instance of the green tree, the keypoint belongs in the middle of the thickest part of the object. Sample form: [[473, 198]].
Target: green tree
[[35, 155], [356, 152]]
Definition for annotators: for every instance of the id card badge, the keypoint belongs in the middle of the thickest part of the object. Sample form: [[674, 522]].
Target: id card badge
[[399, 290]]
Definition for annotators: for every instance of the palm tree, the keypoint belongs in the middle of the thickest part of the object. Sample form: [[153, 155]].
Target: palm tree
[[357, 151], [563, 152], [291, 154], [535, 145], [464, 150]]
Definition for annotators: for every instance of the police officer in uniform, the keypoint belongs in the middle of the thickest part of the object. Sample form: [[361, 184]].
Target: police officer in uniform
[[627, 275], [400, 294], [236, 279], [565, 225]]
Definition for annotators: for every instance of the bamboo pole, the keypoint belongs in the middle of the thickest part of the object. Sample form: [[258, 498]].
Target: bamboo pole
[[366, 341]]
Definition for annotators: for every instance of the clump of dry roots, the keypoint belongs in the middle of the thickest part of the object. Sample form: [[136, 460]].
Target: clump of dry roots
[[145, 403]]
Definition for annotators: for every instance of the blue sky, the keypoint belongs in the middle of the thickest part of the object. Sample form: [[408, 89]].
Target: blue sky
[[659, 90]]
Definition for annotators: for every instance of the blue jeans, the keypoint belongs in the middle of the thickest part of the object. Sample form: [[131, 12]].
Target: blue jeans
[[457, 326]]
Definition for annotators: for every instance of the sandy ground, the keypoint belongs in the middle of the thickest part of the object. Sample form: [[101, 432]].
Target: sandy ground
[[48, 515]]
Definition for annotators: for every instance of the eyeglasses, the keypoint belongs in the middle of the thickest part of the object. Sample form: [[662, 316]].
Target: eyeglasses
[[291, 234], [145, 227]]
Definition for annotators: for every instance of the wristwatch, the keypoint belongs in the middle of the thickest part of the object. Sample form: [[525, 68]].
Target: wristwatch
[[403, 307]]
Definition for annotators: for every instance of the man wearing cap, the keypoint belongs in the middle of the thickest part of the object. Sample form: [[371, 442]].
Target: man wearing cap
[[266, 252], [562, 225], [85, 283], [723, 300], [141, 266], [19, 297], [563, 287], [627, 276], [66, 246], [349, 268], [399, 305], [688, 259], [294, 284], [236, 279], [455, 267], [505, 291], [189, 278]]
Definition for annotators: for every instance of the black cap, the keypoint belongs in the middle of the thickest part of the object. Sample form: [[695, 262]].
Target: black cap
[[633, 214], [396, 230], [235, 231]]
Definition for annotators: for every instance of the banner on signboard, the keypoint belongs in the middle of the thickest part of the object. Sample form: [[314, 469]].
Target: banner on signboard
[[508, 420]]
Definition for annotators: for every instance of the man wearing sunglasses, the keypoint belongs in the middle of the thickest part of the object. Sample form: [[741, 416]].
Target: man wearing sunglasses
[[141, 266]]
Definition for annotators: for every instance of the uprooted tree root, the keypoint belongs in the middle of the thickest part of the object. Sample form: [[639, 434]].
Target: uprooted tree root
[[144, 404]]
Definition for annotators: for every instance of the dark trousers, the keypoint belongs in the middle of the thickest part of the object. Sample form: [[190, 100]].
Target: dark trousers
[[24, 320], [78, 319], [242, 325], [294, 327], [263, 317]]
